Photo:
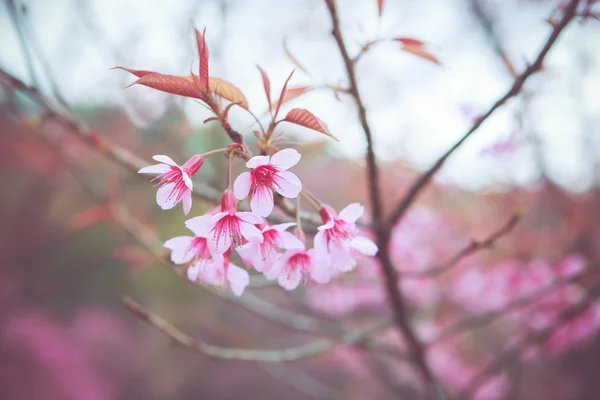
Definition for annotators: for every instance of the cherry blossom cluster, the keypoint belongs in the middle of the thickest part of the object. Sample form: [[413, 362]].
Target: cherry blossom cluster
[[272, 250]]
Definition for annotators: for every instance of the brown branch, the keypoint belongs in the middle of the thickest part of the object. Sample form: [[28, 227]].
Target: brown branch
[[425, 178], [511, 354], [271, 356], [475, 321], [471, 248], [398, 303]]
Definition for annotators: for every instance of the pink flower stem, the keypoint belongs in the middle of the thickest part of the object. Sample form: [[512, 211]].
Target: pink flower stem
[[210, 153]]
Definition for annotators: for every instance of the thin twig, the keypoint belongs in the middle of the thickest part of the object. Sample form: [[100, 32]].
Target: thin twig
[[471, 248], [425, 178], [310, 349], [397, 301], [511, 354], [487, 317]]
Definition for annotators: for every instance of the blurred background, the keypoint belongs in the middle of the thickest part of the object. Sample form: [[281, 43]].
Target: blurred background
[[71, 219]]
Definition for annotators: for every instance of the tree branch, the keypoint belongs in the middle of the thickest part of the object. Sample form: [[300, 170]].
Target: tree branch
[[423, 180], [271, 356], [398, 303], [471, 248]]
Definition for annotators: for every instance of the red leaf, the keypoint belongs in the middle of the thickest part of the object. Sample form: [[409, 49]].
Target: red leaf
[[203, 54], [267, 85], [380, 6], [293, 59], [89, 217], [178, 85], [409, 41], [305, 118], [137, 72], [292, 93], [417, 48], [227, 90], [282, 95]]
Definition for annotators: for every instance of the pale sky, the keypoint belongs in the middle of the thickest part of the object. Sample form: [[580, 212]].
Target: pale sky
[[414, 106]]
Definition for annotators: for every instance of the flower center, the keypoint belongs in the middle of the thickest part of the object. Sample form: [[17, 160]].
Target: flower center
[[263, 175], [341, 230], [199, 247], [229, 225], [299, 261]]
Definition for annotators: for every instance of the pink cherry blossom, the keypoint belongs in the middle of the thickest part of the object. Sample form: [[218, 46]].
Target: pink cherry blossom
[[229, 226], [219, 271], [268, 173], [338, 243], [187, 248], [175, 182], [262, 254], [292, 267]]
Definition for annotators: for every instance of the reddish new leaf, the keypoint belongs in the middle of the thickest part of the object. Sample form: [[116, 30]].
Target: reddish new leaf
[[178, 85], [292, 93], [293, 59], [137, 72], [266, 85], [380, 6], [89, 217], [203, 54], [417, 48], [227, 90], [305, 118], [282, 95]]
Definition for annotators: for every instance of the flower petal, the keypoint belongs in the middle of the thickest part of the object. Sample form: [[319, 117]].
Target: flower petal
[[262, 201], [187, 201], [364, 245], [289, 280], [282, 227], [201, 225], [165, 160], [287, 184], [250, 232], [242, 184], [285, 158], [249, 217], [193, 271], [352, 212], [155, 169], [180, 249], [238, 279], [257, 161], [164, 198], [290, 241], [186, 179]]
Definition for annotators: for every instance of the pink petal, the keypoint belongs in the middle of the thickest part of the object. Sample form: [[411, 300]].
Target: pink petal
[[179, 249], [238, 279], [290, 241], [186, 179], [257, 161], [287, 184], [285, 158], [241, 186], [262, 201], [289, 280], [164, 198], [201, 225], [248, 252], [320, 244], [187, 201], [155, 169], [211, 271], [165, 160], [249, 217], [364, 245], [282, 227], [321, 269], [278, 266], [250, 232], [352, 212], [219, 244], [193, 271]]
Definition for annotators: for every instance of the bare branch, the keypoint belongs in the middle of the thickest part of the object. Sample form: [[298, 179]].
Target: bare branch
[[511, 354], [382, 233], [271, 356], [425, 178], [471, 248]]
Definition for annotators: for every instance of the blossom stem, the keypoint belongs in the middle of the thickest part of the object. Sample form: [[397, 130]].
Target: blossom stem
[[311, 201], [229, 166], [210, 153]]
